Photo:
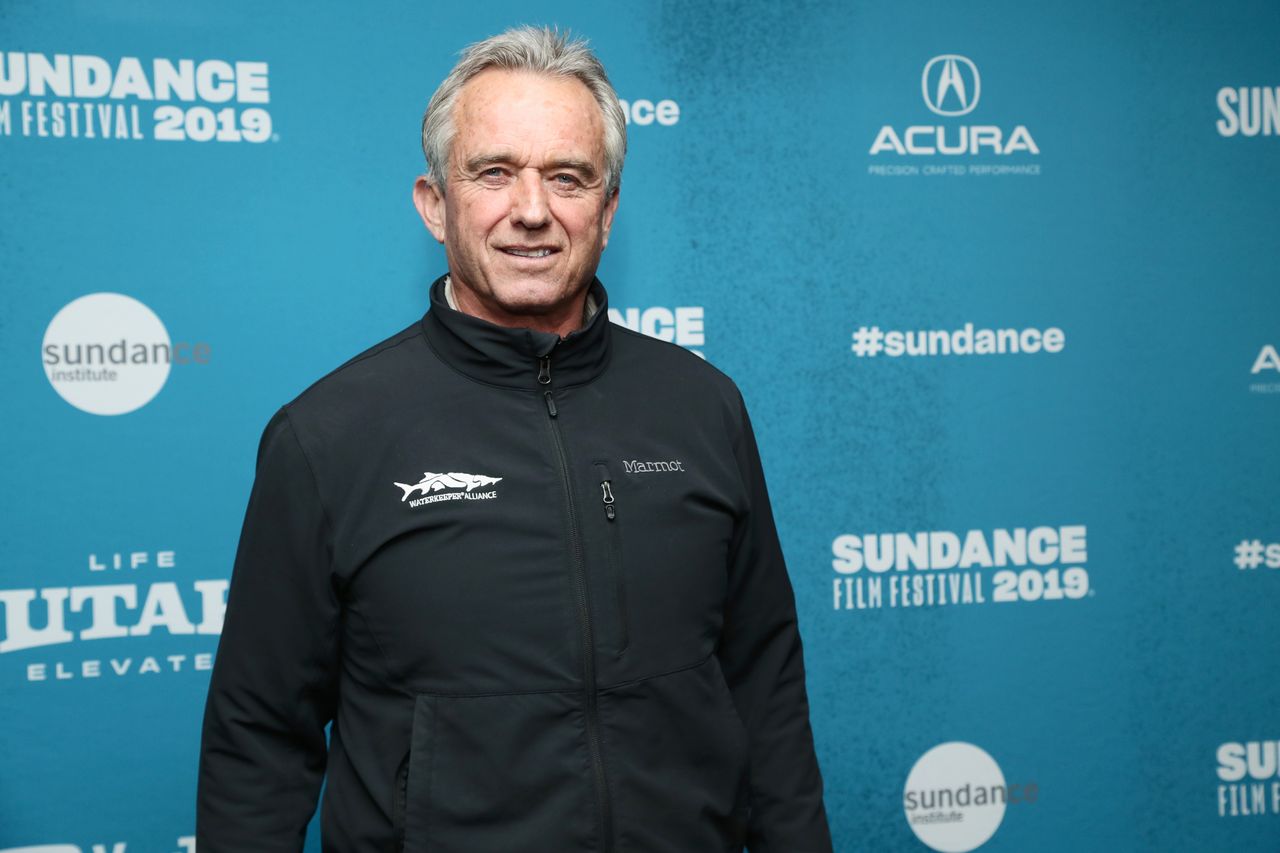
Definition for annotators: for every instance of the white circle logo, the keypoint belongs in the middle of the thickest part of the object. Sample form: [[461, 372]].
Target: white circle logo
[[955, 797], [106, 354]]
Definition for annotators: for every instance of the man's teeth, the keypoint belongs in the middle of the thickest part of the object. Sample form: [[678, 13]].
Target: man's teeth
[[530, 253]]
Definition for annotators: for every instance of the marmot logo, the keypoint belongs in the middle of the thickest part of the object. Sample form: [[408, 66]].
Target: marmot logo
[[635, 466]]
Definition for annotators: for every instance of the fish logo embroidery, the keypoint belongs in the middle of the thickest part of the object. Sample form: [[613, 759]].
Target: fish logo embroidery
[[435, 487]]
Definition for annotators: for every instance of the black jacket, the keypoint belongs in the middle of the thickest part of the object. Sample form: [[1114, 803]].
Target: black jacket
[[536, 586]]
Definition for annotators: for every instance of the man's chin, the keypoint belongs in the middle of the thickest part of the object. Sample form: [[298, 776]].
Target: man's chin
[[533, 310], [535, 299], [523, 301]]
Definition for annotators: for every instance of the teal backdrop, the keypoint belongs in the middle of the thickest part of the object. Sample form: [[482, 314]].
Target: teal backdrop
[[1000, 283]]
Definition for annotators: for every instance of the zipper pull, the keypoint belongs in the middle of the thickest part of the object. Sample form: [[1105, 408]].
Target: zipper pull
[[551, 403], [610, 512], [544, 370]]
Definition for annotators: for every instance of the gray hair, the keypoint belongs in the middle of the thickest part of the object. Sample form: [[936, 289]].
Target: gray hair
[[539, 50]]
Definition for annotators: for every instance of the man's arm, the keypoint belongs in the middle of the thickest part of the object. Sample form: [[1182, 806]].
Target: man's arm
[[760, 655], [273, 688]]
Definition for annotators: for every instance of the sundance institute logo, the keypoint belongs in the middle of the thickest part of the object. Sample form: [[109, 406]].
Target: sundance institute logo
[[108, 354], [956, 796]]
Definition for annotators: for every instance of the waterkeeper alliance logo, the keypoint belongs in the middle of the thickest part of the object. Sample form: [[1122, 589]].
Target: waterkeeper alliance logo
[[454, 486], [109, 354], [951, 87], [71, 615], [78, 96], [956, 797], [1249, 774], [941, 568], [684, 325]]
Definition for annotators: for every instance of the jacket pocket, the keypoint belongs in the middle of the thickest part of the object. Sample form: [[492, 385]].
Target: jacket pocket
[[611, 510], [506, 772], [679, 761]]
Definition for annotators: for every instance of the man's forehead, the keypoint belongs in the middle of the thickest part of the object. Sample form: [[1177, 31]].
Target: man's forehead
[[506, 100]]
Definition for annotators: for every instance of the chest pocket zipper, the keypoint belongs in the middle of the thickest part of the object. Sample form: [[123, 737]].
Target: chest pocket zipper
[[610, 509]]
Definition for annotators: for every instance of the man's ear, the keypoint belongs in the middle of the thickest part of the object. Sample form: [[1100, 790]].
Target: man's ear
[[610, 208], [429, 201]]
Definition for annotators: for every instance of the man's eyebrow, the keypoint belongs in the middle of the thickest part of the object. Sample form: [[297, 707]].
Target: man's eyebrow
[[480, 162], [582, 166]]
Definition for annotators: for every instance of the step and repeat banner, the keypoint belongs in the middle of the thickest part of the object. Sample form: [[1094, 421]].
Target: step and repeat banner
[[1000, 284]]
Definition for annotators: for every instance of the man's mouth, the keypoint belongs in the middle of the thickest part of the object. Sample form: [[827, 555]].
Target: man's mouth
[[527, 253]]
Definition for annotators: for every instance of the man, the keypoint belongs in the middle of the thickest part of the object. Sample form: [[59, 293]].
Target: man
[[522, 559]]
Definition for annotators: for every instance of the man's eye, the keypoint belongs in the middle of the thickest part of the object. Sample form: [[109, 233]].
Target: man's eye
[[566, 180], [492, 172]]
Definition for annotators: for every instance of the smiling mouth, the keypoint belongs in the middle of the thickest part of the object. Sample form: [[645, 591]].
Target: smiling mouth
[[528, 253]]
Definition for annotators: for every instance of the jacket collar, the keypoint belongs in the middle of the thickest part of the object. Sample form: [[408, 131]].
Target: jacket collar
[[511, 357]]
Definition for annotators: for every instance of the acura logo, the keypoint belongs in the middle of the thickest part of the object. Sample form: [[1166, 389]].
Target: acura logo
[[951, 85]]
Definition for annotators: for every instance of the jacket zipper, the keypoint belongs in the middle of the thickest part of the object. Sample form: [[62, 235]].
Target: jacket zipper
[[584, 613], [610, 504]]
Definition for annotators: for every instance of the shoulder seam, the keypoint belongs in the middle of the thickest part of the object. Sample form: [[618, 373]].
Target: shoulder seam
[[315, 482], [378, 349]]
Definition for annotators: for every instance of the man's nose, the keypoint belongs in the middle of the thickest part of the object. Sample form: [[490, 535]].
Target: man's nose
[[529, 203]]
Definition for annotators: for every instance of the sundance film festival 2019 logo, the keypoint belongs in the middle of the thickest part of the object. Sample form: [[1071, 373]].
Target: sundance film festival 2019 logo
[[109, 354], [1249, 777], [956, 797], [80, 96], [683, 325], [1249, 111], [951, 87], [942, 568]]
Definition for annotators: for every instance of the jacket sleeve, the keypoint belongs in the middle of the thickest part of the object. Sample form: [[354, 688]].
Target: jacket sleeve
[[273, 687], [760, 655]]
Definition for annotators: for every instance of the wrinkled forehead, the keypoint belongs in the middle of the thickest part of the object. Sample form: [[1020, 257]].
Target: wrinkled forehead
[[527, 109]]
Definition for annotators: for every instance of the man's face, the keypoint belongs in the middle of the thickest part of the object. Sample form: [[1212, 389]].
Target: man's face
[[525, 215]]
